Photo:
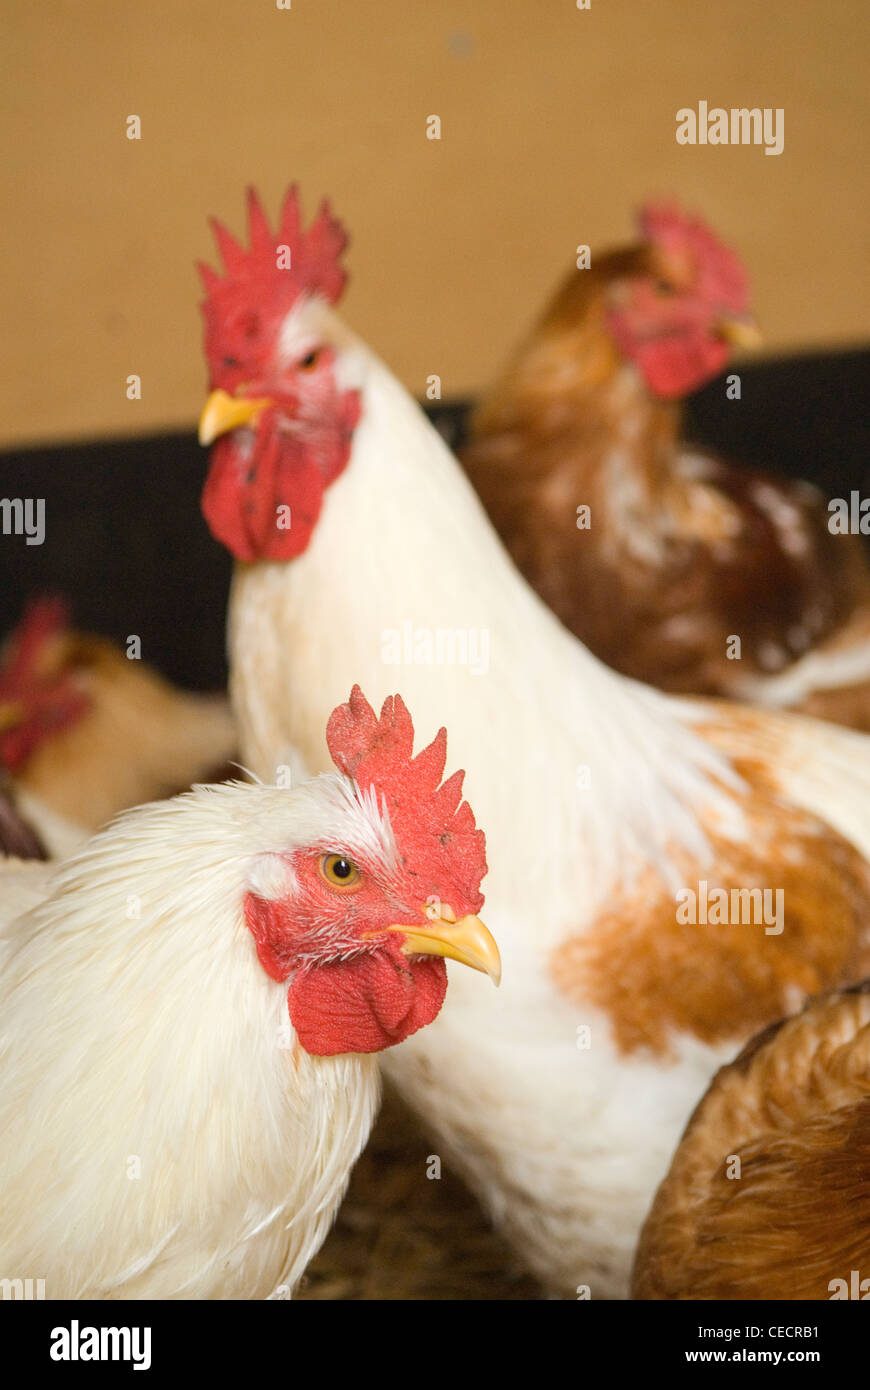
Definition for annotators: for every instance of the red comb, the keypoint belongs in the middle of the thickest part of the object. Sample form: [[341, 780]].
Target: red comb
[[718, 271], [43, 619], [244, 308], [34, 703], [377, 752]]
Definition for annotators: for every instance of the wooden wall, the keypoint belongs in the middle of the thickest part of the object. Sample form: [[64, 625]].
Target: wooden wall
[[556, 122]]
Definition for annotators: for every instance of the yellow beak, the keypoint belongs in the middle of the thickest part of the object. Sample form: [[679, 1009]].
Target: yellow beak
[[741, 333], [223, 412], [467, 940]]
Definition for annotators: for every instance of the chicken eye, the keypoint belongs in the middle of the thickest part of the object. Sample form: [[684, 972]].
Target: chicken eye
[[664, 287], [339, 871], [309, 360]]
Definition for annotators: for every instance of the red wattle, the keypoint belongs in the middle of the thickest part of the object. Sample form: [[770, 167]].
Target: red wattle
[[674, 367], [240, 500], [362, 1004], [248, 500], [367, 1003]]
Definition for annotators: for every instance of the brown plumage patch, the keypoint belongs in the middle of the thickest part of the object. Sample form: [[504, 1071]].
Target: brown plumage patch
[[676, 561], [794, 1108], [657, 977]]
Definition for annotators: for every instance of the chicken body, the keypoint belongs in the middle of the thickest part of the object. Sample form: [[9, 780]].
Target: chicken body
[[564, 1144], [674, 566], [768, 1196], [163, 1131], [162, 1137], [562, 1099]]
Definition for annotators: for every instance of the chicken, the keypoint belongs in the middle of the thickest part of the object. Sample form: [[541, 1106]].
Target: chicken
[[191, 1015], [672, 565], [85, 732], [362, 549], [768, 1196]]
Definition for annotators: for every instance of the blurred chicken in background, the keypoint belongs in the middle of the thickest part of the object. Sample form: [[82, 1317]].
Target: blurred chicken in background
[[768, 1195], [655, 553], [85, 732]]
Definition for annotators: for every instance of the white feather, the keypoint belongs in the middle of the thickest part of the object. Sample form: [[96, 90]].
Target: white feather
[[161, 1133], [566, 1146]]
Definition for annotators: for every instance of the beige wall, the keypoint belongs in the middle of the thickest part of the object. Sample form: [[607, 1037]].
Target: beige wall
[[556, 122]]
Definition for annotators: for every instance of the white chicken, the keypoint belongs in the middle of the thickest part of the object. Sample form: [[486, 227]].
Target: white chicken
[[609, 807], [191, 1014]]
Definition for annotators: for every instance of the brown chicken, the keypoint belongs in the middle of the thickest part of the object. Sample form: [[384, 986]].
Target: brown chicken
[[85, 732], [768, 1196], [674, 566]]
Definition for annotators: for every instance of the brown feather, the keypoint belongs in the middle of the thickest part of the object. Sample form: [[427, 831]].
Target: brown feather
[[794, 1108], [656, 977], [674, 562]]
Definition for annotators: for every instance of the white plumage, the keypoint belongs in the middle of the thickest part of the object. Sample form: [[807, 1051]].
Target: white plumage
[[582, 779], [162, 1134]]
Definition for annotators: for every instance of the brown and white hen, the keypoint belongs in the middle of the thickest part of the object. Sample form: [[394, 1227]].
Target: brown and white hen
[[360, 547], [655, 553]]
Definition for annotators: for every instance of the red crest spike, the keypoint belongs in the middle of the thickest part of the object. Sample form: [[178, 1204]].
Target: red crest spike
[[718, 271], [210, 278], [245, 307], [258, 227], [290, 216], [231, 252], [377, 753]]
